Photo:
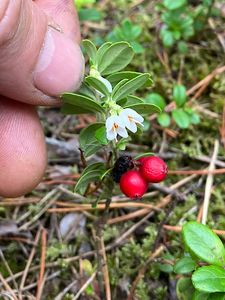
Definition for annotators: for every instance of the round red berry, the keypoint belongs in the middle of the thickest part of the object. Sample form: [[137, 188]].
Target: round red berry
[[153, 169], [132, 184]]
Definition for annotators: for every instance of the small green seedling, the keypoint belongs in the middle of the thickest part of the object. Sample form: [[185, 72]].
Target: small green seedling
[[129, 32], [205, 259], [183, 115], [181, 21]]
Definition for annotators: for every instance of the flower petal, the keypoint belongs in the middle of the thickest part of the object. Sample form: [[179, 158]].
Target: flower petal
[[132, 113], [122, 132], [111, 135], [132, 126]]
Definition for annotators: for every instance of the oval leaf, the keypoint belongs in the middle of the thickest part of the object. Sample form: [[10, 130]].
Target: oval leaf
[[184, 265], [90, 49], [164, 119], [88, 142], [144, 108], [209, 279], [156, 99], [181, 118], [179, 94], [117, 77], [97, 84], [82, 103], [116, 57], [130, 87], [204, 243], [91, 173]]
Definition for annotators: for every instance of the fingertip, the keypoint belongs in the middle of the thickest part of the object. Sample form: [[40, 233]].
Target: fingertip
[[22, 149]]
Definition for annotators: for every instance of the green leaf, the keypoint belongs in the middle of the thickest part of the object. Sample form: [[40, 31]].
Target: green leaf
[[133, 100], [118, 86], [182, 47], [163, 119], [166, 268], [88, 142], [185, 265], [97, 84], [144, 108], [194, 117], [69, 109], [204, 243], [181, 118], [116, 57], [156, 99], [216, 296], [101, 51], [117, 77], [174, 4], [167, 38], [209, 279], [208, 296], [179, 94], [82, 103], [130, 87], [90, 174], [200, 295], [184, 289], [89, 14], [100, 135], [90, 49]]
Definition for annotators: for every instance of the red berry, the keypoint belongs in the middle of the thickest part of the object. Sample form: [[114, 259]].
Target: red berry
[[142, 159], [132, 184], [153, 169]]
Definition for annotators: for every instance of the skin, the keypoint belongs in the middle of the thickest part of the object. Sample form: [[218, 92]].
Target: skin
[[40, 58]]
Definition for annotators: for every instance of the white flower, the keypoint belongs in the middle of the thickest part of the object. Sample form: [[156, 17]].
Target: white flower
[[131, 118], [114, 126]]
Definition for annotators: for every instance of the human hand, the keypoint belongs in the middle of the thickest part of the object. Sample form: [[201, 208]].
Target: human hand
[[39, 59]]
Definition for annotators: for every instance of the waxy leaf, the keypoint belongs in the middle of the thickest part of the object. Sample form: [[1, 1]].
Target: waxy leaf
[[185, 265], [181, 118], [156, 99], [90, 174], [102, 50], [100, 135], [117, 77], [88, 142], [97, 84], [209, 279], [144, 108], [130, 87], [163, 119], [90, 49], [179, 94], [204, 243], [82, 103], [116, 57]]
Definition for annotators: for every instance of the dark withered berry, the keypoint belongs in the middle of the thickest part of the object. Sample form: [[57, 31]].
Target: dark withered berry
[[122, 165]]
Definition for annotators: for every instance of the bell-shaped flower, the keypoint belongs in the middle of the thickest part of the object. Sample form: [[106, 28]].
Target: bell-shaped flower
[[114, 126], [131, 118]]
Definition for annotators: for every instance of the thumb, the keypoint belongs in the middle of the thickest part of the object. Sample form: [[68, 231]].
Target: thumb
[[39, 53]]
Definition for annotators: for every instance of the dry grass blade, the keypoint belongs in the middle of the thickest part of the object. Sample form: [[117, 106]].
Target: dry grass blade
[[209, 183], [42, 267]]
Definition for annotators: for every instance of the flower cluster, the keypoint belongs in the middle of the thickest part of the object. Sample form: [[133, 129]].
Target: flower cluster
[[118, 124]]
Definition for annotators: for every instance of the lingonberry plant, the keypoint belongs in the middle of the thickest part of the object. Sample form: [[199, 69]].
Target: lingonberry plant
[[107, 92]]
